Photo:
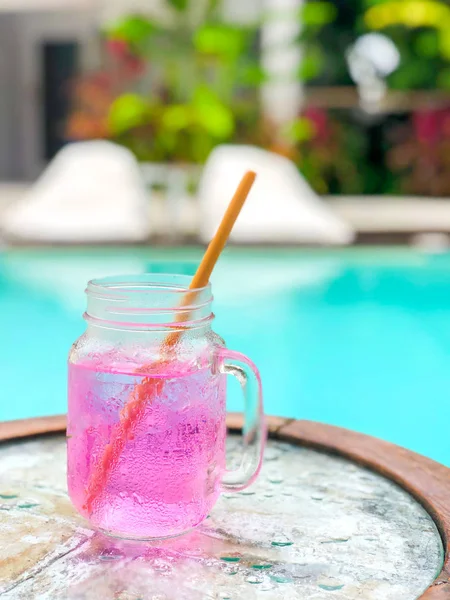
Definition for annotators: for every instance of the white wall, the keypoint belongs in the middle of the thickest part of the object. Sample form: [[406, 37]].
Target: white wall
[[21, 35], [38, 5], [10, 166], [281, 56]]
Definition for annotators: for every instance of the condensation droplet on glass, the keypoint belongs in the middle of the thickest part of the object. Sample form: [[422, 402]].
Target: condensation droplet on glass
[[138, 498]]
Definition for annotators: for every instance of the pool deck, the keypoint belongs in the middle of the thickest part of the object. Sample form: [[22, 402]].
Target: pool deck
[[374, 218]]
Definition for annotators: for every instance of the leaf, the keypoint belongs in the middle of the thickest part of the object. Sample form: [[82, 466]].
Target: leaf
[[318, 14], [216, 118], [444, 79], [444, 43], [312, 64], [134, 29], [223, 40], [127, 112], [300, 130], [180, 5], [177, 117], [427, 44], [252, 74]]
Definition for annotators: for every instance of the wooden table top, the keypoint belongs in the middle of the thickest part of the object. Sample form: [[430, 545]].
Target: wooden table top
[[314, 526]]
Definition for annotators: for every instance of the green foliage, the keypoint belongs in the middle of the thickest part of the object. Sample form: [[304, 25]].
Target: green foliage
[[215, 118], [128, 111], [300, 130], [313, 62], [426, 44], [444, 79], [220, 40], [180, 5], [135, 30], [419, 28], [318, 14], [202, 86]]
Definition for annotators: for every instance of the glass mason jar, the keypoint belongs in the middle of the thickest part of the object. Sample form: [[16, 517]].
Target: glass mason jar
[[147, 404]]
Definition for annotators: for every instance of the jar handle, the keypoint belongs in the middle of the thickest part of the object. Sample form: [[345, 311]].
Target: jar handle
[[254, 430]]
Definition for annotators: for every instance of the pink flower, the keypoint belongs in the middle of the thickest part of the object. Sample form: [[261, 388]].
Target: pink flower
[[118, 48], [426, 125], [319, 119]]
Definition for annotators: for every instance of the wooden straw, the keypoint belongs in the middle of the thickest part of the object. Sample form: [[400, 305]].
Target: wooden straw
[[134, 410]]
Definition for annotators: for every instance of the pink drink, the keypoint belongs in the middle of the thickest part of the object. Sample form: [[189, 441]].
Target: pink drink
[[168, 476]]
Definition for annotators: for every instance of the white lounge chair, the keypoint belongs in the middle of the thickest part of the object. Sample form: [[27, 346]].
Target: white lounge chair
[[281, 208], [91, 192]]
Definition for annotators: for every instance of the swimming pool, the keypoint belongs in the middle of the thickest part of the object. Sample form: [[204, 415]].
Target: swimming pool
[[358, 338]]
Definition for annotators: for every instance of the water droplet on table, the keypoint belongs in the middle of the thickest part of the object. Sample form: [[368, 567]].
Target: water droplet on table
[[281, 541], [254, 579], [161, 566], [272, 454], [230, 559], [111, 554], [279, 578], [276, 479], [330, 588], [266, 586], [231, 570]]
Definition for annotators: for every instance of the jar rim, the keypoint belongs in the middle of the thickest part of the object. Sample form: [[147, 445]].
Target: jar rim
[[144, 283], [148, 301]]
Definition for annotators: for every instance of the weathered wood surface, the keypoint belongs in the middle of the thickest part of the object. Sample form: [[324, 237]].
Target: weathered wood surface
[[314, 526]]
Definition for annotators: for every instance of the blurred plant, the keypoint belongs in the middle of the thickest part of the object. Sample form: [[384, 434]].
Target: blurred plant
[[328, 152], [328, 31], [421, 154], [93, 94], [421, 31], [195, 82]]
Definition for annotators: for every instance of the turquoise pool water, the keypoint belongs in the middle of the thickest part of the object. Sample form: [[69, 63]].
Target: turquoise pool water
[[357, 338]]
